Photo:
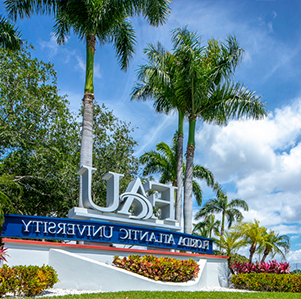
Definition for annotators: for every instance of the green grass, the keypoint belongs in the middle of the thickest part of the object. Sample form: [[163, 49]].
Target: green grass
[[182, 295]]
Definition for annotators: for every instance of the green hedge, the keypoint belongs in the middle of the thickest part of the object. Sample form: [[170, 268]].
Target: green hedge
[[26, 280], [268, 282], [159, 268]]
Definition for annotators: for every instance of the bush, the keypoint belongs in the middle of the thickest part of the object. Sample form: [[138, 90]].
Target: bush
[[26, 280], [159, 268], [262, 267], [267, 282]]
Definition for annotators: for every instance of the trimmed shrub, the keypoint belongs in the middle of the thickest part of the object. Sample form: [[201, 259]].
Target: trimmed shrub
[[262, 267], [26, 280], [159, 268], [267, 282]]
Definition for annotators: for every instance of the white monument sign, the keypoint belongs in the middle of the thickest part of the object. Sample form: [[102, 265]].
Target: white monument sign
[[132, 207]]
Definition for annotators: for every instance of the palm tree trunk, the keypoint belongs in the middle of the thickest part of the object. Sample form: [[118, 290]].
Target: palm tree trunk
[[265, 254], [252, 251], [229, 265], [87, 126], [223, 224], [188, 177], [180, 168]]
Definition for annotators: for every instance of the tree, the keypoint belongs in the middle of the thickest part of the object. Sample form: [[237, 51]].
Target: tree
[[252, 234], [164, 162], [220, 204], [40, 141], [273, 245], [156, 82], [230, 243], [107, 21], [10, 37], [206, 227], [204, 90], [113, 150]]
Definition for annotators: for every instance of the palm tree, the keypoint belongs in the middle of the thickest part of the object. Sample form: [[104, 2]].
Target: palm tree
[[10, 37], [253, 234], [206, 227], [105, 21], [164, 162], [156, 82], [204, 90], [231, 244], [273, 245], [220, 204]]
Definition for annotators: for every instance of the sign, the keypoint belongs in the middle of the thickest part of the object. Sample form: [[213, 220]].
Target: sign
[[19, 226], [132, 207]]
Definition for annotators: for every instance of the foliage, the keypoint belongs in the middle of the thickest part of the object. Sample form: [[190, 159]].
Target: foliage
[[26, 280], [268, 282], [164, 162], [238, 258], [206, 227], [253, 234], [262, 267], [159, 268], [273, 244], [220, 204], [113, 150], [40, 142], [230, 244], [39, 139], [10, 37], [3, 254]]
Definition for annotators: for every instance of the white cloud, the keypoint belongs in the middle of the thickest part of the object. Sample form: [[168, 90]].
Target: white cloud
[[50, 45], [263, 160]]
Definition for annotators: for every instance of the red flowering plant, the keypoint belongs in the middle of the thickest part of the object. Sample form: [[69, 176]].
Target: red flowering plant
[[262, 267], [3, 254]]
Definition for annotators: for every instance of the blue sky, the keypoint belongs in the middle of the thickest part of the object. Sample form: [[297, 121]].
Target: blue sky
[[258, 161]]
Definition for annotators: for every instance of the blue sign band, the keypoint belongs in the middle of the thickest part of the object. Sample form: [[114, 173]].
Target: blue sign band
[[19, 226]]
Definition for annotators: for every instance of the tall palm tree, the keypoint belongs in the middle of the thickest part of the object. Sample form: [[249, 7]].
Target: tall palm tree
[[275, 244], [206, 227], [204, 90], [10, 37], [156, 82], [230, 243], [253, 234], [164, 162], [220, 204], [105, 21]]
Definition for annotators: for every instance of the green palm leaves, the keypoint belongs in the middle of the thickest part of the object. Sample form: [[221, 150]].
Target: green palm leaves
[[10, 37], [220, 204], [164, 162], [196, 80]]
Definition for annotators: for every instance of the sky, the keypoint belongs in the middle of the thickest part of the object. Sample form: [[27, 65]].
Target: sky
[[257, 161]]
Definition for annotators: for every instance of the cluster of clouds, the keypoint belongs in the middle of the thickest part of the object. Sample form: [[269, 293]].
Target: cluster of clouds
[[262, 160]]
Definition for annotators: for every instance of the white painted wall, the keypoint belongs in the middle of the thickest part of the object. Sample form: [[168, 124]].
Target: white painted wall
[[81, 267]]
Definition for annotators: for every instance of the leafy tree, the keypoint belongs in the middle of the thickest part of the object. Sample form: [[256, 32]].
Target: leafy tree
[[273, 244], [40, 141], [156, 82], [164, 162], [10, 37], [252, 234], [220, 204], [230, 243], [204, 90], [105, 21], [206, 227], [113, 150]]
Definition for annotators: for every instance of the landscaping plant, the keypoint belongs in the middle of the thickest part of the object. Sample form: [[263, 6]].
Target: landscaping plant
[[159, 268]]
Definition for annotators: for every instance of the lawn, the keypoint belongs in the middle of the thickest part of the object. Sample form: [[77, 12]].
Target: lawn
[[182, 295]]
